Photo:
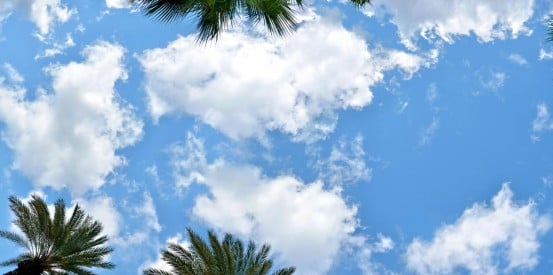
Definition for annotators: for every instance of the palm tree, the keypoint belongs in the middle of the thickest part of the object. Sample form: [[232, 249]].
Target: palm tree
[[550, 33], [218, 258], [215, 15], [55, 245]]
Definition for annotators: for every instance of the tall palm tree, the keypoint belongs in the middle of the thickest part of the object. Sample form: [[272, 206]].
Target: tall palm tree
[[55, 245], [217, 258], [215, 15]]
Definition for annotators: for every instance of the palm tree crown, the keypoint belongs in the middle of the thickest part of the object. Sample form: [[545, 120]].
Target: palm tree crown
[[215, 15], [55, 245], [217, 258]]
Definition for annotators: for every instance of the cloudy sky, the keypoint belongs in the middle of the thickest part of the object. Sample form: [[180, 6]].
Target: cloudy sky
[[407, 137]]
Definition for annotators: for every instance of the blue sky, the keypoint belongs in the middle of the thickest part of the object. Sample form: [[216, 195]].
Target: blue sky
[[394, 139]]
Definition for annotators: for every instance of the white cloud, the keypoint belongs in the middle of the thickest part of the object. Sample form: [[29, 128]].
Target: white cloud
[[499, 238], [187, 160], [432, 92], [518, 59], [148, 210], [57, 48], [543, 122], [545, 55], [102, 209], [118, 4], [429, 132], [494, 80], [69, 137], [247, 85], [486, 19], [281, 210], [13, 76], [346, 163], [43, 13], [402, 107], [384, 244]]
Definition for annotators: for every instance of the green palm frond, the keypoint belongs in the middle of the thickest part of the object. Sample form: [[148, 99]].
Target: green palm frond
[[202, 250], [213, 16], [226, 257], [286, 271], [157, 272], [15, 238], [550, 31], [56, 245], [16, 260]]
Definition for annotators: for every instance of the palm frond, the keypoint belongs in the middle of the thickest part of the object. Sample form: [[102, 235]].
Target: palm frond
[[14, 237], [227, 256], [55, 245], [16, 260], [181, 260], [24, 221], [286, 271], [360, 3], [202, 249], [550, 31], [213, 16], [152, 271]]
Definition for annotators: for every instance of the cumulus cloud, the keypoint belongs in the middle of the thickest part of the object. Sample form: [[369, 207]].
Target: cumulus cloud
[[281, 210], [43, 13], [247, 85], [498, 238], [487, 20], [68, 137]]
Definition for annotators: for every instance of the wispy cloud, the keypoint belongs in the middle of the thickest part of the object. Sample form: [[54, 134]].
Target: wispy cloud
[[428, 133], [57, 48], [543, 122], [345, 164], [432, 92], [494, 80], [545, 55], [518, 59]]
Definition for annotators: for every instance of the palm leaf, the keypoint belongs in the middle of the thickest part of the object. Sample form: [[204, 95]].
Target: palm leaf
[[54, 245], [213, 16], [16, 260], [550, 31], [151, 271], [14, 237], [226, 257]]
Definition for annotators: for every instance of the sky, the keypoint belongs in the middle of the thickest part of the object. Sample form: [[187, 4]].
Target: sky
[[407, 137]]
